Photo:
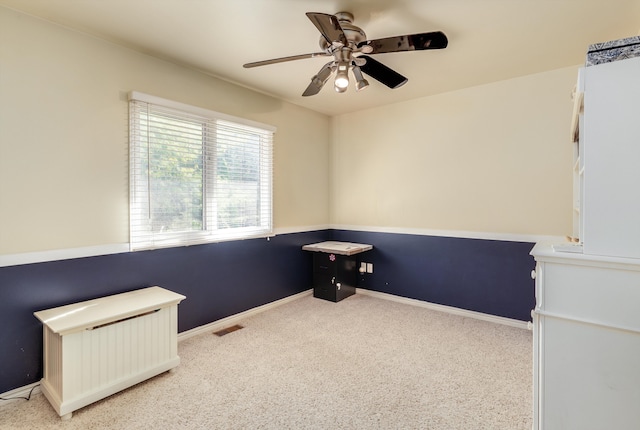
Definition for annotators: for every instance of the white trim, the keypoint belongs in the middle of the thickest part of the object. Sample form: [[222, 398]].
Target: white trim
[[588, 321], [526, 325], [548, 252], [509, 237], [234, 319], [207, 113], [301, 229], [62, 254], [118, 248], [207, 328], [20, 392]]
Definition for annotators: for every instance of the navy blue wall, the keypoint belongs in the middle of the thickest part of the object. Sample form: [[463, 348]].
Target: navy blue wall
[[224, 279], [218, 280], [488, 276]]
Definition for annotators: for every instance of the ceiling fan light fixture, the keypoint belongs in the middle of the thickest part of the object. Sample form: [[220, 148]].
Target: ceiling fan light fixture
[[342, 77], [339, 90], [341, 83], [361, 85], [361, 82]]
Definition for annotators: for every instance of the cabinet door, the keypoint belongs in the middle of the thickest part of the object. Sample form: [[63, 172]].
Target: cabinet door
[[611, 158], [590, 379], [324, 269], [324, 275]]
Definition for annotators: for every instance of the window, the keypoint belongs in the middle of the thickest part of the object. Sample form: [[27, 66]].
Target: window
[[196, 176]]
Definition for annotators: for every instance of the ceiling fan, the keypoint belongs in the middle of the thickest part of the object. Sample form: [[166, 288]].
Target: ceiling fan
[[347, 44]]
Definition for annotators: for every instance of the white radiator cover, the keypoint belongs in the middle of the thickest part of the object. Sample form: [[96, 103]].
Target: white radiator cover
[[96, 348]]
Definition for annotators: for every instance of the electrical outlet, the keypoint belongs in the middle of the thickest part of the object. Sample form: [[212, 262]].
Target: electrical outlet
[[369, 267], [363, 267]]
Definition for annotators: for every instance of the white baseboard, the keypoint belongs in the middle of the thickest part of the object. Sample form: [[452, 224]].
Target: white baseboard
[[233, 319], [20, 393], [448, 309]]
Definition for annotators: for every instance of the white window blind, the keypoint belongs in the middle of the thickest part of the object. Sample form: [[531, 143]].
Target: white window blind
[[195, 175]]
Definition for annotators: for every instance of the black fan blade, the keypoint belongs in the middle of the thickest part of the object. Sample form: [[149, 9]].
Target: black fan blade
[[410, 42], [382, 73], [318, 81], [283, 59], [329, 27]]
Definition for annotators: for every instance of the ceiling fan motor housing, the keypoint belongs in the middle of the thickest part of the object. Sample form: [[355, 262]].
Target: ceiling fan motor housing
[[353, 33]]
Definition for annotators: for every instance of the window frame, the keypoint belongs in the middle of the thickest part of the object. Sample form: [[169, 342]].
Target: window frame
[[141, 236]]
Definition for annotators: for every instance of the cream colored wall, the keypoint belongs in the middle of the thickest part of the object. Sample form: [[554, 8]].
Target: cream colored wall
[[63, 136], [493, 158]]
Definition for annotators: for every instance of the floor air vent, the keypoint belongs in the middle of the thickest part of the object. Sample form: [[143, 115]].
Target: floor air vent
[[228, 330]]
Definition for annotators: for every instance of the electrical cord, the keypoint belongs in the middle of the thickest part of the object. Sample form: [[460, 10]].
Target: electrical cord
[[20, 397]]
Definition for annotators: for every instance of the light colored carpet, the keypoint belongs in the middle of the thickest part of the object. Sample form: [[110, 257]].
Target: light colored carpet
[[362, 363]]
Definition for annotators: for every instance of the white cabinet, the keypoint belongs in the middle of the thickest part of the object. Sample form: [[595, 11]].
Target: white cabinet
[[586, 342], [587, 318], [96, 348], [610, 145]]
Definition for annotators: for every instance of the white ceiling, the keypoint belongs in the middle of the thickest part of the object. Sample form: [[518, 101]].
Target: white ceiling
[[489, 40]]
